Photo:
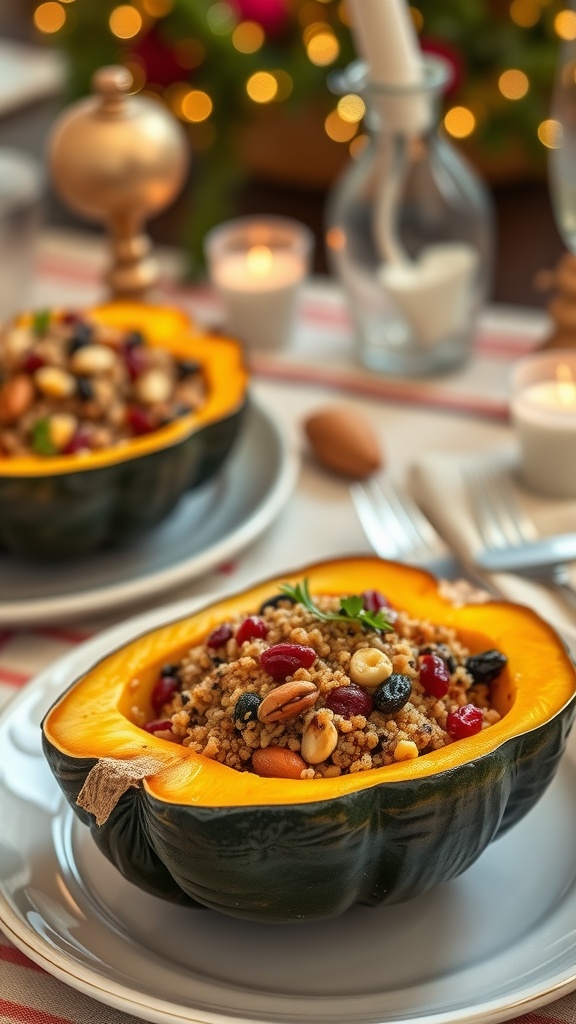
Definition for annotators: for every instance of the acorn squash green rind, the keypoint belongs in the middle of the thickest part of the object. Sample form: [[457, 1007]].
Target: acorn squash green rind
[[379, 839], [379, 846], [65, 507], [70, 515]]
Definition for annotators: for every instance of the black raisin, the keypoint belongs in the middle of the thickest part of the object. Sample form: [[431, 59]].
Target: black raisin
[[81, 336], [246, 708], [392, 694], [486, 666], [188, 367], [84, 389], [134, 339], [273, 602], [169, 670]]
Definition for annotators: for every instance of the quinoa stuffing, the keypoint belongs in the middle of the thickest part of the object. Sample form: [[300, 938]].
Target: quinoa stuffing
[[70, 385], [319, 688]]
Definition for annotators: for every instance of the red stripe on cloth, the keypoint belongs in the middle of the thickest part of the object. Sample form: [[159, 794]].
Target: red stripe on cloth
[[57, 266], [381, 388], [505, 345], [7, 675], [538, 1018], [29, 1015], [70, 636], [11, 955], [5, 636]]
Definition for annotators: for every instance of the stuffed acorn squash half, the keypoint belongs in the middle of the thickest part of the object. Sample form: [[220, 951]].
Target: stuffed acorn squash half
[[64, 489], [187, 827]]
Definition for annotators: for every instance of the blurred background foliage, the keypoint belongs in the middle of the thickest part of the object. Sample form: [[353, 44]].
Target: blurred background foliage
[[250, 80]]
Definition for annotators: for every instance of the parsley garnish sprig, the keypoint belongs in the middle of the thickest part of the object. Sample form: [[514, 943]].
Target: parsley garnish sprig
[[351, 608]]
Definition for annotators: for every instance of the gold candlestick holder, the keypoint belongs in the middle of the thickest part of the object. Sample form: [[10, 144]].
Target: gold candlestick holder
[[119, 159]]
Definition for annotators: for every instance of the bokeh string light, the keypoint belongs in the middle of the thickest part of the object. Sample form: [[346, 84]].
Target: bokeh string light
[[216, 63]]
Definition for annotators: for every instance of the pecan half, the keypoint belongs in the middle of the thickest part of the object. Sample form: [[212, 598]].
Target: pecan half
[[287, 701]]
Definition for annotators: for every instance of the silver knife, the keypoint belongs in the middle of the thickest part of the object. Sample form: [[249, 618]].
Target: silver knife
[[543, 553]]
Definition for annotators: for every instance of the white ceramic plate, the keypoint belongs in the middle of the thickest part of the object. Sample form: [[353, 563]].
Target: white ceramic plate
[[496, 942], [208, 527]]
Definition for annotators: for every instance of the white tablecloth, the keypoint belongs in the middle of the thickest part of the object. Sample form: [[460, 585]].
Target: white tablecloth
[[461, 412]]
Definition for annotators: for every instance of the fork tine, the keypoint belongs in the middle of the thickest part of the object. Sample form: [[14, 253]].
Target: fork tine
[[393, 522], [370, 520], [499, 518], [419, 533]]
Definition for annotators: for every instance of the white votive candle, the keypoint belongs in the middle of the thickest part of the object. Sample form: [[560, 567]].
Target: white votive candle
[[257, 266], [543, 411]]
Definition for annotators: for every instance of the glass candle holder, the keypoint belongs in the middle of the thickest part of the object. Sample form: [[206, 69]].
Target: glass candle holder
[[21, 199], [543, 414], [257, 265], [409, 231]]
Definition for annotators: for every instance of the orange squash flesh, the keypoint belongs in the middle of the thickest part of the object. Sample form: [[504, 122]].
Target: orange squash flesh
[[284, 850], [92, 719]]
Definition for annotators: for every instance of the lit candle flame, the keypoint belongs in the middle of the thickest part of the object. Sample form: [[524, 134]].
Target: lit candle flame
[[259, 260], [566, 386]]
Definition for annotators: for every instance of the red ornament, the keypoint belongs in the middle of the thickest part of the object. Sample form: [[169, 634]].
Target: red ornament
[[452, 56], [158, 58], [272, 15]]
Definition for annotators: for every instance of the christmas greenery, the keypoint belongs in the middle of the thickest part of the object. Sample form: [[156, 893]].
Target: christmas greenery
[[215, 47]]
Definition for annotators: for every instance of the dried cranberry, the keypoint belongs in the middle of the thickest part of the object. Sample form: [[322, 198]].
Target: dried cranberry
[[70, 317], [444, 652], [158, 726], [219, 636], [465, 721], [282, 660], [134, 360], [349, 701], [252, 628], [78, 443], [140, 420], [33, 362], [246, 708], [392, 694], [434, 675], [374, 600], [163, 690]]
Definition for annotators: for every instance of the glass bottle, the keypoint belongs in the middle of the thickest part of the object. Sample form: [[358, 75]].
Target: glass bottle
[[409, 231]]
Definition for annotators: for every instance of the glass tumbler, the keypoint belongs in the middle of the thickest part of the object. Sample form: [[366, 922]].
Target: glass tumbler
[[21, 192]]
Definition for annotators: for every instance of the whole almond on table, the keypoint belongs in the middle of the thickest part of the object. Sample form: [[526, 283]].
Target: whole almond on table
[[344, 441]]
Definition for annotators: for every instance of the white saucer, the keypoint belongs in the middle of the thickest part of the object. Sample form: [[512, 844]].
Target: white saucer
[[496, 942], [208, 527]]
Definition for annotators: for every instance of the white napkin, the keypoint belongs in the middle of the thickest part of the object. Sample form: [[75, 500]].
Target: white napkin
[[438, 484]]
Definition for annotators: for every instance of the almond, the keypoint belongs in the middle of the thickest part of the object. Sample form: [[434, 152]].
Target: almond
[[278, 763], [344, 441], [16, 397]]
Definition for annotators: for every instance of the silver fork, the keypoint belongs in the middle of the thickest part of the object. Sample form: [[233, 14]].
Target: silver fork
[[396, 528], [501, 521]]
